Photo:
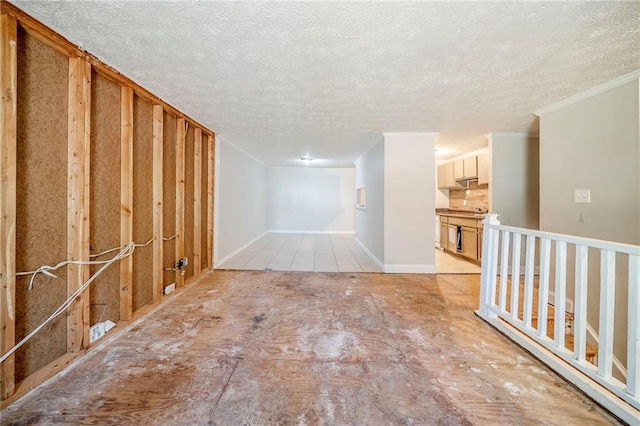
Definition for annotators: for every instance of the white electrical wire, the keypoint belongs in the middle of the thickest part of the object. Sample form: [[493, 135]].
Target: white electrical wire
[[173, 237], [46, 269], [125, 252]]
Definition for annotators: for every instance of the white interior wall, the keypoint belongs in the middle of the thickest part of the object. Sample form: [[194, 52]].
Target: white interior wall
[[514, 179], [409, 202], [241, 188], [370, 220], [594, 144], [303, 199]]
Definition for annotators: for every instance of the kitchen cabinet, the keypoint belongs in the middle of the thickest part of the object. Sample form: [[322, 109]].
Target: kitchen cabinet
[[443, 232], [458, 169], [470, 167], [483, 169], [449, 181], [471, 235], [469, 243], [441, 176]]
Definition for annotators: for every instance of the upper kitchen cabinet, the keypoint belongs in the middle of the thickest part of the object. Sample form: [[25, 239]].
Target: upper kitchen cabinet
[[483, 168], [449, 181], [458, 169], [470, 167], [455, 173]]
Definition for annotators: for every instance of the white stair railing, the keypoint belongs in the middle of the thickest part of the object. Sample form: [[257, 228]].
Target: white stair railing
[[501, 302]]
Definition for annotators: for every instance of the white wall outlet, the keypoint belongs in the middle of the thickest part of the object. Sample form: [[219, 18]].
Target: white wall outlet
[[96, 332], [169, 289], [467, 192], [464, 202], [582, 196]]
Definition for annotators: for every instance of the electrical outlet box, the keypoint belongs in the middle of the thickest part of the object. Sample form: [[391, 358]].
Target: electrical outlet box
[[169, 289], [96, 332], [582, 196]]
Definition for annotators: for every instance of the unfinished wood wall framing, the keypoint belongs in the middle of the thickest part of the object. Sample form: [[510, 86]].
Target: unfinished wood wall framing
[[169, 198], [189, 201], [90, 162], [142, 202], [104, 173]]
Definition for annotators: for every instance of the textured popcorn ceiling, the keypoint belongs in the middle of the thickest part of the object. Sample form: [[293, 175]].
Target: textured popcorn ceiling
[[282, 80]]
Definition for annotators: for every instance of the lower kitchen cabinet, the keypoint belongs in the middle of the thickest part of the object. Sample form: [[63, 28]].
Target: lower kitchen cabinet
[[469, 243]]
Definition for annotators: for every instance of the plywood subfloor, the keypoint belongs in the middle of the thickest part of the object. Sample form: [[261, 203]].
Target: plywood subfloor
[[248, 347]]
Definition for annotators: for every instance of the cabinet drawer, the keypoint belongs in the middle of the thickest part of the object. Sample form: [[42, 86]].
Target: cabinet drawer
[[463, 221]]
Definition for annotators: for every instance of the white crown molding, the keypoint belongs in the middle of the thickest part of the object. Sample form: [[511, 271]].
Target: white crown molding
[[635, 75]]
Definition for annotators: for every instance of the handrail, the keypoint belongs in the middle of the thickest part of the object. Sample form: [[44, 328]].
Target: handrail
[[502, 262]]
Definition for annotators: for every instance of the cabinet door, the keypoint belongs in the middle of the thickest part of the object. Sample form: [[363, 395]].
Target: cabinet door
[[442, 183], [471, 167], [443, 235], [458, 169], [448, 176], [470, 243], [483, 169]]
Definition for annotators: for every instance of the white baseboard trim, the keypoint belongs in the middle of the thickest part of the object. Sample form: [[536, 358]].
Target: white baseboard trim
[[616, 362], [409, 269], [278, 231], [238, 250], [377, 261]]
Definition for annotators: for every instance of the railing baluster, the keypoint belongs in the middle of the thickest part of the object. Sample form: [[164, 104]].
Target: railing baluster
[[633, 328], [515, 275], [510, 312], [543, 290], [504, 270], [528, 279], [560, 294], [607, 306], [580, 303]]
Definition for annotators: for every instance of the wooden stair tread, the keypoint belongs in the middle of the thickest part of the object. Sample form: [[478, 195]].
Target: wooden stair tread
[[590, 351]]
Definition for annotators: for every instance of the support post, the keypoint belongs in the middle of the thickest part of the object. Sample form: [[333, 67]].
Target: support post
[[181, 132], [197, 201], [158, 122], [78, 200], [489, 265], [126, 198], [210, 201], [8, 128]]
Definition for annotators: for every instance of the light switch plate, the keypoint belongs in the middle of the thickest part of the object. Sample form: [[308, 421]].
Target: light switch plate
[[582, 196]]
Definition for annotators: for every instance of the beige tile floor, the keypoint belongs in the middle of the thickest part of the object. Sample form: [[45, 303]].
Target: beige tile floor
[[303, 252], [323, 253], [449, 264]]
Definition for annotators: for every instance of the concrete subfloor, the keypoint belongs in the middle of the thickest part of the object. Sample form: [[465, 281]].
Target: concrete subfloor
[[242, 347]]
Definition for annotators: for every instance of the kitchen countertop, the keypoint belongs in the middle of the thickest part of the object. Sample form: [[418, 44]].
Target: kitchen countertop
[[460, 213]]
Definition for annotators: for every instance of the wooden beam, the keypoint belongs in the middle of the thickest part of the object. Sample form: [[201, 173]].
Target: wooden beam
[[158, 123], [8, 128], [197, 201], [210, 183], [78, 200], [126, 200], [181, 133]]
